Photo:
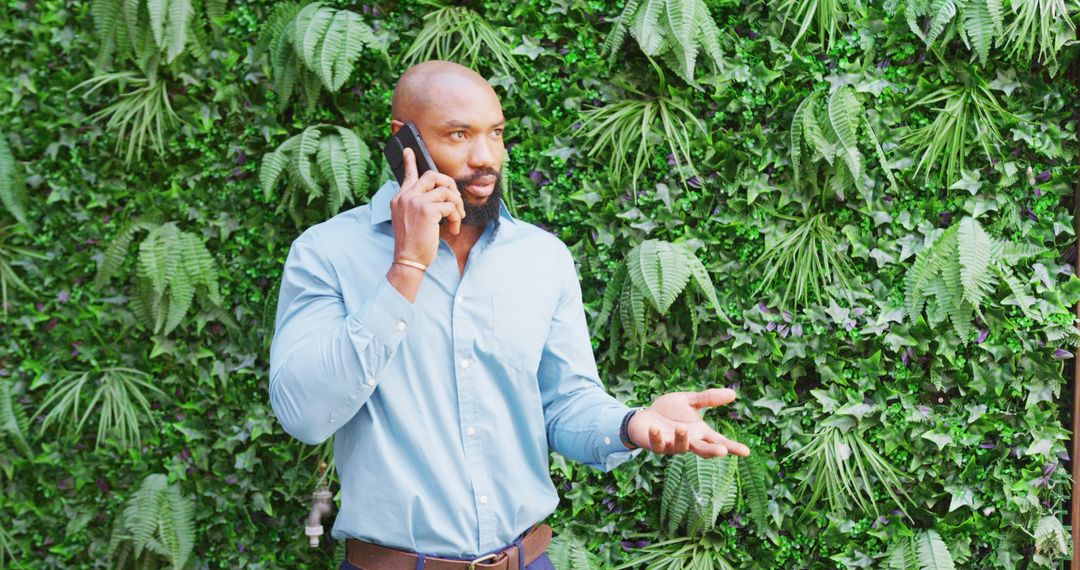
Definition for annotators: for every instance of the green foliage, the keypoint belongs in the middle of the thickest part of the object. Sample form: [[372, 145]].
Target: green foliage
[[457, 33], [981, 24], [1051, 540], [1045, 24], [141, 115], [978, 22], [151, 32], [323, 161], [631, 131], [811, 260], [13, 422], [698, 490], [674, 31], [312, 46], [117, 400], [925, 551], [156, 525], [848, 144], [969, 116], [171, 264], [12, 189], [569, 553], [653, 275], [844, 468], [9, 252], [827, 14], [681, 553], [826, 134], [958, 273]]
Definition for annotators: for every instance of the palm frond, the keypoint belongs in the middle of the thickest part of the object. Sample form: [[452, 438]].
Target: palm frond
[[632, 131], [141, 115], [845, 469], [117, 399], [969, 117], [457, 33], [808, 263]]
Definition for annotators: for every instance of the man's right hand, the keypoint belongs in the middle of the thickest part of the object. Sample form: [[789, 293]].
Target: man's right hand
[[417, 208]]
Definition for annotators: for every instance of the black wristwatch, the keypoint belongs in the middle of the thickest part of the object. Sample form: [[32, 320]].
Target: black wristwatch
[[624, 429]]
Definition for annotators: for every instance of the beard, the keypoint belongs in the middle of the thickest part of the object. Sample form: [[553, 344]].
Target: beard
[[481, 214]]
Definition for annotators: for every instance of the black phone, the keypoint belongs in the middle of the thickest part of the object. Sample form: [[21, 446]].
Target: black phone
[[408, 136]]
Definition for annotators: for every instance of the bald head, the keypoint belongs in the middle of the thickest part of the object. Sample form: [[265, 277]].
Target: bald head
[[421, 85]]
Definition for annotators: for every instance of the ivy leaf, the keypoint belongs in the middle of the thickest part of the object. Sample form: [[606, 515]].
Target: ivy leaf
[[969, 180], [941, 439], [529, 48]]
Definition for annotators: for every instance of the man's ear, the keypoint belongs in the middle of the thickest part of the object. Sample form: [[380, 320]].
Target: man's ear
[[395, 125]]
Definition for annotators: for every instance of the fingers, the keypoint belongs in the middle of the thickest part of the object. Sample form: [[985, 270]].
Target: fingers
[[682, 440], [656, 440], [410, 169], [733, 446], [428, 181], [708, 450], [447, 210], [659, 442], [712, 397], [447, 194]]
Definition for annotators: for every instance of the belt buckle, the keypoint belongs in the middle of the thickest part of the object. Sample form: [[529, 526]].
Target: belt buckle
[[492, 556]]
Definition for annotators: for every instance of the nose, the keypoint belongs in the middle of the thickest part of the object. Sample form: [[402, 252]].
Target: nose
[[484, 153]]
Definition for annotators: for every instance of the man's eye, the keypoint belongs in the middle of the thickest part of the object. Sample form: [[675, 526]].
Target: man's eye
[[461, 132], [498, 132]]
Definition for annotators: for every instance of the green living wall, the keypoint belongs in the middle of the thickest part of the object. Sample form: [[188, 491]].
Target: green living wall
[[858, 215]]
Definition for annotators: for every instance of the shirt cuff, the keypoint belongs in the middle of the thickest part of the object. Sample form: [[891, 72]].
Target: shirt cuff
[[610, 451], [385, 315]]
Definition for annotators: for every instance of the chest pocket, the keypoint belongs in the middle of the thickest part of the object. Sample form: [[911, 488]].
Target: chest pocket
[[520, 329]]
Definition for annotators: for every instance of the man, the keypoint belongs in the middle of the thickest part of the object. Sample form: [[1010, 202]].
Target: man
[[450, 358]]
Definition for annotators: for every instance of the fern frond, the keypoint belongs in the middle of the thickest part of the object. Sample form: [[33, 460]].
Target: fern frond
[[973, 246], [12, 189], [933, 554], [617, 36], [1050, 536], [753, 481], [13, 420]]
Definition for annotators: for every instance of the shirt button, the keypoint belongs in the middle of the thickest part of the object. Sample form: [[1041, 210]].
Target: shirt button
[[464, 362], [470, 430], [401, 325], [370, 381], [483, 499], [458, 299], [607, 441]]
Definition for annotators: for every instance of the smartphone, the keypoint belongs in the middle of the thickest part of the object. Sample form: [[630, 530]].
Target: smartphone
[[408, 136]]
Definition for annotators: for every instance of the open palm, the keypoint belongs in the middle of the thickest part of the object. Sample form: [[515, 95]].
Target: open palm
[[673, 424]]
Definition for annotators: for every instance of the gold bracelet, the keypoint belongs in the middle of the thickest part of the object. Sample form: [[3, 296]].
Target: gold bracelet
[[411, 263]]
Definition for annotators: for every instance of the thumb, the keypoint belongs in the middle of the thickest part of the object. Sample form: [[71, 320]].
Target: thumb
[[712, 397]]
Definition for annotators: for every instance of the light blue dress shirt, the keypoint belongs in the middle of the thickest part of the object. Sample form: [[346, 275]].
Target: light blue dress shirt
[[444, 409]]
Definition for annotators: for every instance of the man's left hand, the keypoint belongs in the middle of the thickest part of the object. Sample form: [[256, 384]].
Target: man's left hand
[[673, 425]]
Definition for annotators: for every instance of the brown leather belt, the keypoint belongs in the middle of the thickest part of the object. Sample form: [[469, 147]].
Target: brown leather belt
[[370, 556]]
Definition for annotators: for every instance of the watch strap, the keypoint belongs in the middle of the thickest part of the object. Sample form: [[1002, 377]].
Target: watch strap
[[624, 429]]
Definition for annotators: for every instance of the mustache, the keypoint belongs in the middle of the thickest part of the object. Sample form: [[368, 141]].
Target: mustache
[[465, 181]]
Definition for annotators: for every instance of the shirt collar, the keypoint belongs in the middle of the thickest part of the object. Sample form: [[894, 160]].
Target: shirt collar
[[380, 204]]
